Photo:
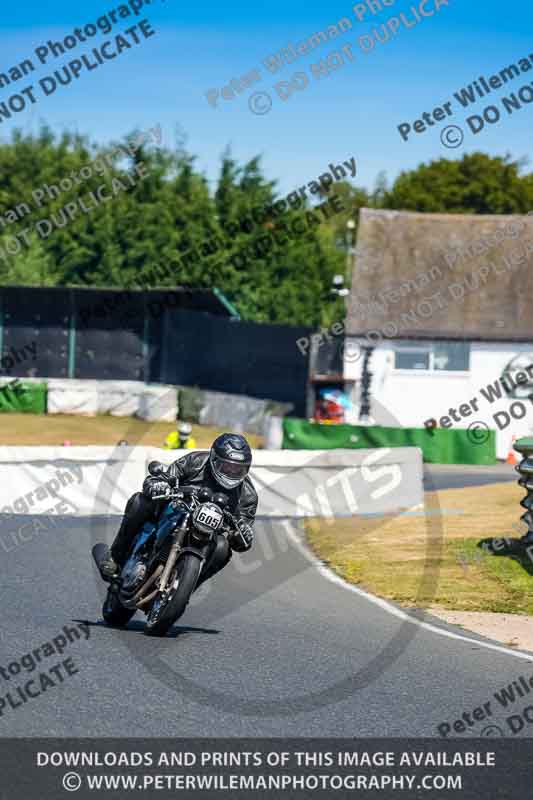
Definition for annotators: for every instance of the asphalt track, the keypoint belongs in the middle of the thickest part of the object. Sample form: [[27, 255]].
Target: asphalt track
[[455, 476], [273, 648]]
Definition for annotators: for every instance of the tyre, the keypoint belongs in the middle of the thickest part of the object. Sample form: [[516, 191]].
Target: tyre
[[114, 612], [160, 619]]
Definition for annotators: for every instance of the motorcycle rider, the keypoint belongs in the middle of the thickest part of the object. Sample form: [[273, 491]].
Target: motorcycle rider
[[223, 468]]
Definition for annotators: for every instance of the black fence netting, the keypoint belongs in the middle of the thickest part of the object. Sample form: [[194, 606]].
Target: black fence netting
[[237, 357], [35, 332], [178, 336]]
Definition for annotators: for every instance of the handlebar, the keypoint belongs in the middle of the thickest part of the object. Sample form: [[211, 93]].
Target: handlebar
[[170, 496]]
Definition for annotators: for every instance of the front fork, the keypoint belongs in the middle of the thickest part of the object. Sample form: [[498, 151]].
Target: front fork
[[175, 549]]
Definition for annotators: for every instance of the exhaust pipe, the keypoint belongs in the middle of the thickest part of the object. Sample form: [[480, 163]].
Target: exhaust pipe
[[99, 552], [141, 600]]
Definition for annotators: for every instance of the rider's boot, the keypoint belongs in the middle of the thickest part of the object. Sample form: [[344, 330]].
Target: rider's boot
[[108, 567], [138, 511]]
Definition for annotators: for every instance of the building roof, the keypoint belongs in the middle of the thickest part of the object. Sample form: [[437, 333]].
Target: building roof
[[453, 276]]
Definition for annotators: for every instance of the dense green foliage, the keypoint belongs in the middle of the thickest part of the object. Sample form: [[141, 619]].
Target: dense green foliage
[[170, 229], [478, 184]]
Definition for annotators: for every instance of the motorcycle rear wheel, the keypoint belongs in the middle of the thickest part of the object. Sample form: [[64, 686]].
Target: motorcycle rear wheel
[[160, 620]]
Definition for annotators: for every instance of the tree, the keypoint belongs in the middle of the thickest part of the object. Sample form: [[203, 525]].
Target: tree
[[476, 184], [156, 223]]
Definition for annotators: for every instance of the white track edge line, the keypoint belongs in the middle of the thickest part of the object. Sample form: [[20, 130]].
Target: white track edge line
[[331, 576]]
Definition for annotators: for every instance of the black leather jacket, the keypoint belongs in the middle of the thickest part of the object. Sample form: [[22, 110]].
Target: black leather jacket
[[194, 469]]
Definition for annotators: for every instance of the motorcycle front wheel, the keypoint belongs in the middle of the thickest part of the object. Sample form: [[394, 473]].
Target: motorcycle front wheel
[[163, 615]]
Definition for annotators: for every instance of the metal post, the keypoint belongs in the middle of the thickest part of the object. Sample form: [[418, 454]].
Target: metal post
[[350, 226], [146, 341], [525, 470], [72, 337]]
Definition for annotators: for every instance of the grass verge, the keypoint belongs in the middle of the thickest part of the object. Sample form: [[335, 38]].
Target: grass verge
[[54, 429], [388, 556]]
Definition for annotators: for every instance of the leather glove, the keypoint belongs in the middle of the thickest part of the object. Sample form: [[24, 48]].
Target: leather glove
[[243, 538], [156, 488]]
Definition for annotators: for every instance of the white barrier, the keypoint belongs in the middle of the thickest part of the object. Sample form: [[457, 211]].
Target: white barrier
[[99, 480], [156, 402], [152, 402]]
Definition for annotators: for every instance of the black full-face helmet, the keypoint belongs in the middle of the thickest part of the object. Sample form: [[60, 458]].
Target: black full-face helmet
[[230, 459]]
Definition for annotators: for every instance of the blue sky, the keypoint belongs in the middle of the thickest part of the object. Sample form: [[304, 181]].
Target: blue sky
[[352, 112]]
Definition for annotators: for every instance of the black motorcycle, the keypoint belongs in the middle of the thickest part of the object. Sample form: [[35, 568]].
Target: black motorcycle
[[166, 559]]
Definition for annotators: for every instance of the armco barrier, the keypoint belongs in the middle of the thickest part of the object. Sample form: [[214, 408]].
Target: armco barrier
[[439, 446], [99, 480]]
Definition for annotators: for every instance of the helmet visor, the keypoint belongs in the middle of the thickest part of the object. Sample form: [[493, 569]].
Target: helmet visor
[[233, 471]]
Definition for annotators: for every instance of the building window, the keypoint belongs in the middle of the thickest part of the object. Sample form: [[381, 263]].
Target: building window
[[437, 356], [411, 358]]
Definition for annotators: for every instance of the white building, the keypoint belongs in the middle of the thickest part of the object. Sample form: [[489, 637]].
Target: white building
[[445, 303]]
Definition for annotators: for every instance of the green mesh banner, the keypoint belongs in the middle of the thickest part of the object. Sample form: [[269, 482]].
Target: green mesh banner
[[439, 446], [26, 398]]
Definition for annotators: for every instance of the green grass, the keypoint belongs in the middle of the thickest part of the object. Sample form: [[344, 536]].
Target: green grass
[[417, 564], [54, 429], [508, 580]]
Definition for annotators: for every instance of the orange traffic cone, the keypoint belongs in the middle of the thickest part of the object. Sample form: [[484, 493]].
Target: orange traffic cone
[[511, 458]]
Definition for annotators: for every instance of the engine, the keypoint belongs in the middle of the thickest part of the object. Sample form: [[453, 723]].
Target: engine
[[133, 575]]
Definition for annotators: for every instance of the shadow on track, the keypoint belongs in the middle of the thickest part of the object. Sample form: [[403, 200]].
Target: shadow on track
[[136, 626]]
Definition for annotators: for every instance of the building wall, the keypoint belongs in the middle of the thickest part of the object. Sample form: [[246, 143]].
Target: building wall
[[413, 396]]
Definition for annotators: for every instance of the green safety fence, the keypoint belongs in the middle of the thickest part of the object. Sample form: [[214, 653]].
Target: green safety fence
[[26, 398], [439, 446]]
